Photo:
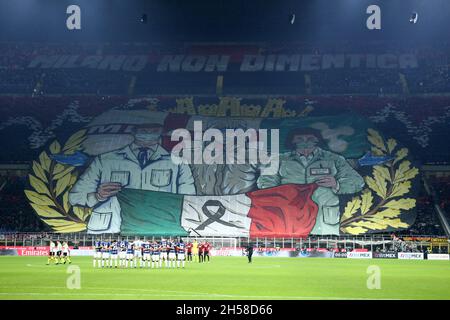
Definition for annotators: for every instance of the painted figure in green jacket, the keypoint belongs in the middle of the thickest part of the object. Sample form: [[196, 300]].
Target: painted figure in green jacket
[[309, 163]]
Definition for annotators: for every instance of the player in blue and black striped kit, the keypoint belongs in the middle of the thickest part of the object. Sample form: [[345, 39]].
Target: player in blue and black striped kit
[[172, 254], [97, 253], [155, 255], [181, 253], [114, 254], [146, 253], [106, 253], [122, 253], [130, 254]]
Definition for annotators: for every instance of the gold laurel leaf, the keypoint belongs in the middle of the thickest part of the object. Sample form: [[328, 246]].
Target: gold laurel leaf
[[74, 145], [351, 208], [381, 173], [367, 201], [59, 168], [66, 203], [38, 185], [87, 213], [55, 147], [396, 223], [355, 230], [46, 212], [401, 204], [400, 155], [63, 173], [39, 171], [72, 227], [386, 213], [391, 144], [62, 184], [377, 152], [410, 174], [40, 199], [378, 186], [58, 222], [72, 150], [79, 212], [403, 167], [73, 179], [378, 220], [401, 188], [400, 172], [45, 161], [369, 225], [75, 139], [82, 212], [375, 138]]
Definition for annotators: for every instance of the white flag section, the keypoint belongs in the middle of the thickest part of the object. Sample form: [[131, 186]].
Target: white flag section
[[216, 215]]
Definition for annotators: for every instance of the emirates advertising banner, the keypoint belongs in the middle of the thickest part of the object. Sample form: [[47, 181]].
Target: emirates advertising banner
[[41, 251]]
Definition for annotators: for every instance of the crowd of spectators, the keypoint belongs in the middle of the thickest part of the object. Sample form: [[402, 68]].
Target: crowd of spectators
[[427, 222], [441, 188], [16, 215], [432, 75]]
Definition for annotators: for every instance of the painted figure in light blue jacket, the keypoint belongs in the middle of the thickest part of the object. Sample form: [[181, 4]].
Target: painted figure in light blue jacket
[[309, 163], [144, 164]]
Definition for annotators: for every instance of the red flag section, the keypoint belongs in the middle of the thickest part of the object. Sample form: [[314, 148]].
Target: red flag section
[[283, 211]]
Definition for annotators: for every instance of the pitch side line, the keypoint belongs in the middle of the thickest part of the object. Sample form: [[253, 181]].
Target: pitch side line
[[181, 294]]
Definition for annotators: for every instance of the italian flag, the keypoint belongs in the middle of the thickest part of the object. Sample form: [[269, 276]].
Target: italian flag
[[283, 211]]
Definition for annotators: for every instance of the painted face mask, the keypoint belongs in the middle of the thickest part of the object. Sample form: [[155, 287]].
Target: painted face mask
[[305, 145], [147, 137]]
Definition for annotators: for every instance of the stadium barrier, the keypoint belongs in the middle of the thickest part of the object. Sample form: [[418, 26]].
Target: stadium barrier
[[340, 255], [438, 256], [240, 251], [374, 243], [359, 255], [385, 255], [314, 254], [41, 251], [410, 256]]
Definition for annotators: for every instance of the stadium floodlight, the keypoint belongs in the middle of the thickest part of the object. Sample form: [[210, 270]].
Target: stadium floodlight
[[413, 18], [144, 18]]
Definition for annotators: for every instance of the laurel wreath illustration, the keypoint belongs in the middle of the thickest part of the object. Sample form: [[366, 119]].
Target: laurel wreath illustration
[[51, 182], [379, 206]]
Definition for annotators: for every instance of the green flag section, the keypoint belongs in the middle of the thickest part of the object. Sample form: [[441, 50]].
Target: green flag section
[[150, 213], [343, 134]]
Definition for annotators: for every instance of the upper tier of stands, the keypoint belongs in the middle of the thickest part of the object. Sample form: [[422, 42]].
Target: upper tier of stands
[[19, 75]]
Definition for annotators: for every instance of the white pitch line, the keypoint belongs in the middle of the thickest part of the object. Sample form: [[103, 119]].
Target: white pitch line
[[180, 294], [124, 289]]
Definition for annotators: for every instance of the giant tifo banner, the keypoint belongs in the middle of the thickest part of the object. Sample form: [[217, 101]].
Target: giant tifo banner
[[143, 172]]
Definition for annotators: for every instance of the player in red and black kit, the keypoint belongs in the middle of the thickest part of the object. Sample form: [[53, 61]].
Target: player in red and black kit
[[189, 251], [200, 252], [206, 249]]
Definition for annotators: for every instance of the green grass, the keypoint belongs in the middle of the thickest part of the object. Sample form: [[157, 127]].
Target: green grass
[[228, 278]]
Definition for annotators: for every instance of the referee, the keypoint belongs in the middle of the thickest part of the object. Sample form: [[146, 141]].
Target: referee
[[249, 252]]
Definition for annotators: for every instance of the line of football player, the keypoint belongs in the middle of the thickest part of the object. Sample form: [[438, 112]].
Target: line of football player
[[58, 253], [150, 254]]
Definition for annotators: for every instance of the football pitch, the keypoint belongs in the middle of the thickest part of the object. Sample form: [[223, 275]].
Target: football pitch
[[228, 278]]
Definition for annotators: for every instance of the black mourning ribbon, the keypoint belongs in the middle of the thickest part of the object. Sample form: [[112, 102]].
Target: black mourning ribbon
[[214, 217]]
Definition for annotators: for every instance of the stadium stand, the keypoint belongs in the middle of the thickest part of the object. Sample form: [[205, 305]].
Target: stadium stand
[[32, 97], [18, 73], [15, 213]]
